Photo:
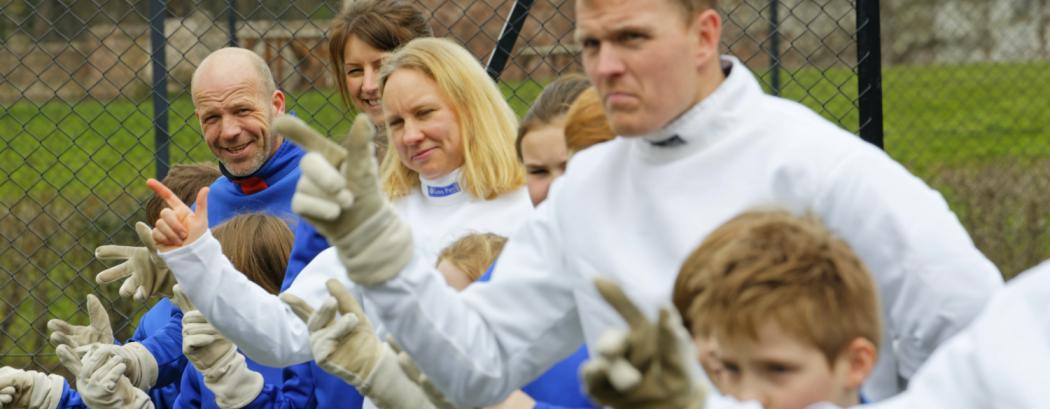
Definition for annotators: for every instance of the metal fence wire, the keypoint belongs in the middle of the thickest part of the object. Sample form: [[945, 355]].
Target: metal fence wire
[[87, 111]]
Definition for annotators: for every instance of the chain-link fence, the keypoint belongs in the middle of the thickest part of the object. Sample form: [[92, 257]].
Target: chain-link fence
[[82, 126]]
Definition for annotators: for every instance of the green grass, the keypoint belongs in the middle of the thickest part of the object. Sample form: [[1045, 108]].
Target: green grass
[[72, 173]]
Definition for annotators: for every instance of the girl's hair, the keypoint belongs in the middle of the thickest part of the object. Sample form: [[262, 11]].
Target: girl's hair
[[382, 24], [585, 123], [487, 123], [258, 245], [552, 103], [474, 253]]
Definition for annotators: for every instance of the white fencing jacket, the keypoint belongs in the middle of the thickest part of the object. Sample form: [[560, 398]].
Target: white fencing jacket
[[267, 330], [1000, 361], [632, 209]]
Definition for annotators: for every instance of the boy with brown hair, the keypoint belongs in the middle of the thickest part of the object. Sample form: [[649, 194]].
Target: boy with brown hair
[[791, 310]]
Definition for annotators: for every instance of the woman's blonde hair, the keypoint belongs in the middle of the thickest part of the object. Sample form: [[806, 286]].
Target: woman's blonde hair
[[258, 245], [487, 124], [474, 253], [585, 123]]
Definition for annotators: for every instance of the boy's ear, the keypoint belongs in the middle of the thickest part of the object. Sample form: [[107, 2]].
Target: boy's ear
[[859, 360]]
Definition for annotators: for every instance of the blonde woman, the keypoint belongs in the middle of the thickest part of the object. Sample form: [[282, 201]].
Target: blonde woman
[[451, 169]]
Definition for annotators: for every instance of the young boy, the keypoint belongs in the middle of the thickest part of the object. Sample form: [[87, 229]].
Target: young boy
[[782, 312]]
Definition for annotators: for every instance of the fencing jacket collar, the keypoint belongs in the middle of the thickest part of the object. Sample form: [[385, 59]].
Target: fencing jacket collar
[[704, 123], [445, 190]]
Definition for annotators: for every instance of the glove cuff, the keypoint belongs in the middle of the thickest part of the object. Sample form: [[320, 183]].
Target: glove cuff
[[389, 387], [145, 364], [234, 385], [46, 391]]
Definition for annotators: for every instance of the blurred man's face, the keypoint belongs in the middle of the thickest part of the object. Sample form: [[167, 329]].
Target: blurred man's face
[[641, 56]]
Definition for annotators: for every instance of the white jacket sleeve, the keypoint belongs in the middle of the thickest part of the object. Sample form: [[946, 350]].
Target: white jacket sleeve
[[262, 326], [999, 361], [932, 280], [496, 336]]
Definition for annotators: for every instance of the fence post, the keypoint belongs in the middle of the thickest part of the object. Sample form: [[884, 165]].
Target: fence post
[[869, 72], [231, 21], [158, 45], [774, 44], [507, 37]]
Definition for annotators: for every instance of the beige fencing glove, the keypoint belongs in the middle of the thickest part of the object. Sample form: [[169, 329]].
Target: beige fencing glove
[[338, 193], [408, 366], [139, 364], [345, 345], [146, 273], [650, 366], [20, 389], [97, 331], [101, 381], [225, 370]]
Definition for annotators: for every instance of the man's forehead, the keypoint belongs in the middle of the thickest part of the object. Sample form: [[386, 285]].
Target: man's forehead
[[597, 16], [226, 91]]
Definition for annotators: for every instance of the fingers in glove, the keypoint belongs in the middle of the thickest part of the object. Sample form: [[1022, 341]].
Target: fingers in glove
[[335, 193], [612, 348], [361, 152], [99, 318], [315, 207], [297, 131], [321, 173], [109, 373], [140, 294], [323, 316], [61, 338], [130, 287], [348, 304], [114, 273], [181, 300], [145, 234], [115, 252], [616, 298], [595, 374], [298, 306], [7, 395], [613, 343], [69, 359]]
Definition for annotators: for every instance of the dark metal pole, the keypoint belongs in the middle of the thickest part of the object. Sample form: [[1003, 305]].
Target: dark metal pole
[[869, 72], [158, 44], [774, 44], [231, 21], [507, 37]]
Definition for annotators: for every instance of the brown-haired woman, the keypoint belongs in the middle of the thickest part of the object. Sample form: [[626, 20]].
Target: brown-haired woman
[[360, 38]]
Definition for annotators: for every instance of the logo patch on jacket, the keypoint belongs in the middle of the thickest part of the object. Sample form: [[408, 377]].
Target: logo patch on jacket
[[442, 191]]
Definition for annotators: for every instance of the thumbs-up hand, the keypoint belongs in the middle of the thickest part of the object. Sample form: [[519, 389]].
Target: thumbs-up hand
[[178, 224]]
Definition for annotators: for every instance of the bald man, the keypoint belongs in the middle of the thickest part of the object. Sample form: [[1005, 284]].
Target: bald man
[[235, 99]]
